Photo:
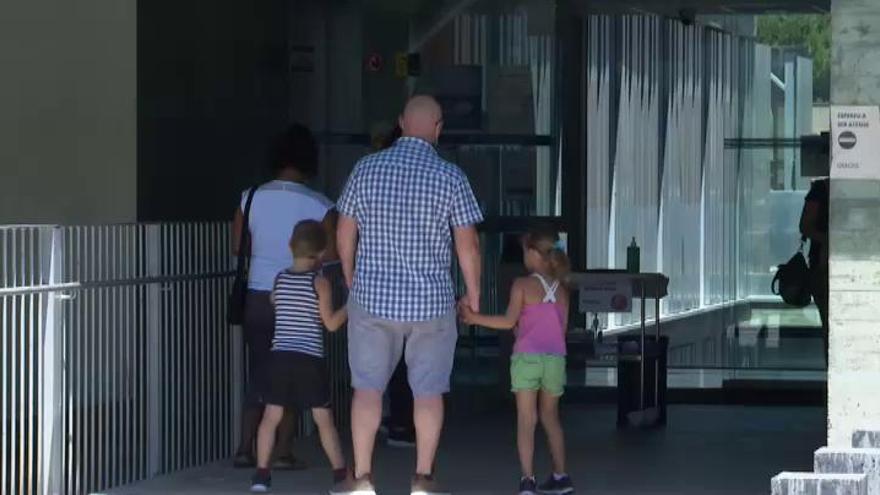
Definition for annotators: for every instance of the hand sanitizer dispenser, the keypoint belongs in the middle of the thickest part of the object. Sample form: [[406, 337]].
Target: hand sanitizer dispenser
[[633, 257]]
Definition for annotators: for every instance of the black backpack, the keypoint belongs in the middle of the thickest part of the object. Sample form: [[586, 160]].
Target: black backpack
[[792, 281]]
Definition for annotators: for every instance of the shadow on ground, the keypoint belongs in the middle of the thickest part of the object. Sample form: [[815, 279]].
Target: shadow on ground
[[704, 450]]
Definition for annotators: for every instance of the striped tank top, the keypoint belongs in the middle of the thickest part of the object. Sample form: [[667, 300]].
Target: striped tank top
[[298, 326]]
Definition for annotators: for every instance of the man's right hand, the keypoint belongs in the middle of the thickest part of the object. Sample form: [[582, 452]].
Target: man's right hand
[[346, 244], [467, 247], [473, 301], [465, 313]]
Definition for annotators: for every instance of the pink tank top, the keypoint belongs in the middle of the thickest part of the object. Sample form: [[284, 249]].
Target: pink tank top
[[539, 330]]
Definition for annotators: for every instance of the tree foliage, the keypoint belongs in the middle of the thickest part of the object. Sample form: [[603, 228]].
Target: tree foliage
[[813, 32]]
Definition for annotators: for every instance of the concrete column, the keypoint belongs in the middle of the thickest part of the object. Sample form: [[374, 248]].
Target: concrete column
[[68, 113], [854, 371]]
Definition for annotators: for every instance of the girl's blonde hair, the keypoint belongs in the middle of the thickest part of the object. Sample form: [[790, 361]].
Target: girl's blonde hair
[[545, 240]]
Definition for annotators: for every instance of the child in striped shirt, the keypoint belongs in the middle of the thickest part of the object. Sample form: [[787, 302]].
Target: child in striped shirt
[[298, 371]]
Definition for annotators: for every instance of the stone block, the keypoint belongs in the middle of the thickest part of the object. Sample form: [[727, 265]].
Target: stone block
[[854, 275], [853, 403], [866, 439], [851, 461], [855, 349], [856, 307], [787, 483]]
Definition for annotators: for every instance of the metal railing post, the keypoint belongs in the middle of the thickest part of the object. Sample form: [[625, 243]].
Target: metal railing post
[[153, 251], [238, 375], [238, 358], [51, 423]]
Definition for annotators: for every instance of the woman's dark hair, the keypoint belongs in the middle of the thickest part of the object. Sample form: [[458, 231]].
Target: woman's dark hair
[[295, 148], [393, 136]]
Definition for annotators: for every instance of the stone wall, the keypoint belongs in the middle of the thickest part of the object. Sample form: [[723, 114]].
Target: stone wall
[[854, 371]]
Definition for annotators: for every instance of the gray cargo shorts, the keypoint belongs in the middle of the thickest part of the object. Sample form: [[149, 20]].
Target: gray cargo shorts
[[375, 346]]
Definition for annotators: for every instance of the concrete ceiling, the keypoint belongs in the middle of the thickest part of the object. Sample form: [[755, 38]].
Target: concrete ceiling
[[675, 7], [429, 16], [426, 9]]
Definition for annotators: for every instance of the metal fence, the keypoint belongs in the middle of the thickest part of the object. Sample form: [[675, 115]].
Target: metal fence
[[22, 259], [116, 363]]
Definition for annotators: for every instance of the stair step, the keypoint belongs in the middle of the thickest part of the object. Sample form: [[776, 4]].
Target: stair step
[[788, 483], [851, 461], [866, 439]]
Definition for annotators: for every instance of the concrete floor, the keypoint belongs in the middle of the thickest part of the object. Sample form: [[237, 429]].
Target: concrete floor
[[726, 450]]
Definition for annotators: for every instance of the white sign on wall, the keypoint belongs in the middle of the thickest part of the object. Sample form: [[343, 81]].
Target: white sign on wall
[[605, 294], [855, 142]]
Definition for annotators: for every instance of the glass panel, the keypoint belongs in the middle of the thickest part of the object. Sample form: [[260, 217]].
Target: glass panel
[[507, 179], [492, 67], [695, 150]]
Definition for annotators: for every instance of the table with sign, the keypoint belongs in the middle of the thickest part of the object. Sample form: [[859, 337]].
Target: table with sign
[[612, 291]]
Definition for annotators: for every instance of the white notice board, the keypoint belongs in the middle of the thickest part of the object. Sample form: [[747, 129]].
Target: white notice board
[[605, 294], [855, 142]]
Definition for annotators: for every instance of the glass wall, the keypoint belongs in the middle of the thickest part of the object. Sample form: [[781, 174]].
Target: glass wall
[[692, 143], [694, 150], [505, 144], [493, 68], [660, 111]]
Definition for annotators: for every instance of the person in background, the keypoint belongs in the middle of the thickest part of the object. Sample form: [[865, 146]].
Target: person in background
[[538, 309], [401, 430], [398, 215], [277, 207], [298, 375], [814, 226]]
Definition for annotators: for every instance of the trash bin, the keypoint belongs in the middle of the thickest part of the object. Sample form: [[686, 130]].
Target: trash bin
[[641, 403]]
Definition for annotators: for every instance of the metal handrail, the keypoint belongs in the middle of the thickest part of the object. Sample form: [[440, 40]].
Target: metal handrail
[[67, 286]]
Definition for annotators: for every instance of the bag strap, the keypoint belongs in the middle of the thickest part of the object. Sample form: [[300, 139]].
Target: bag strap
[[774, 285], [244, 240]]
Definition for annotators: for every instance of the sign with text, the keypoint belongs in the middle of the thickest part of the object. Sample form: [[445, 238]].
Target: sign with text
[[605, 294], [401, 65], [855, 142]]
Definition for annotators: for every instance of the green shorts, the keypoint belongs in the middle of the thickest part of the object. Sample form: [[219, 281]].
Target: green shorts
[[538, 372]]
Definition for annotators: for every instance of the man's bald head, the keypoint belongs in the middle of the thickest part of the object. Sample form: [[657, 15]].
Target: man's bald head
[[422, 118]]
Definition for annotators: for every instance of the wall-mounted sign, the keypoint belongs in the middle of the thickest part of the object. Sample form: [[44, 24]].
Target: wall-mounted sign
[[374, 62], [407, 65], [855, 142], [401, 65], [605, 294]]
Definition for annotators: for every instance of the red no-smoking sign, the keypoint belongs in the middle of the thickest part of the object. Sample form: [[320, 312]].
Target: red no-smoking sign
[[374, 62]]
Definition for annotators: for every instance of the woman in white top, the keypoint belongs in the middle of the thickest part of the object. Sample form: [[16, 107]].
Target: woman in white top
[[276, 208]]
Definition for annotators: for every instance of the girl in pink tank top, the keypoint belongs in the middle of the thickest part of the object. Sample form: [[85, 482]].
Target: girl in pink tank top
[[538, 314]]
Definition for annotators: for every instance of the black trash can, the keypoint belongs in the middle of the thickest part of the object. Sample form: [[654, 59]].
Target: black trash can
[[641, 404]]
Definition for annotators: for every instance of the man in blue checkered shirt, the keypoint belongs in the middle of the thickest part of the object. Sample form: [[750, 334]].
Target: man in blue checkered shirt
[[399, 214]]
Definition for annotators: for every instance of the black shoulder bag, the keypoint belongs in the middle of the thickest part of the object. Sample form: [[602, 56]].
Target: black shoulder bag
[[238, 294], [792, 280]]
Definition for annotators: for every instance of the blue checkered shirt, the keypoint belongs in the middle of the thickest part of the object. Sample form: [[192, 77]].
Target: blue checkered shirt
[[405, 200]]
